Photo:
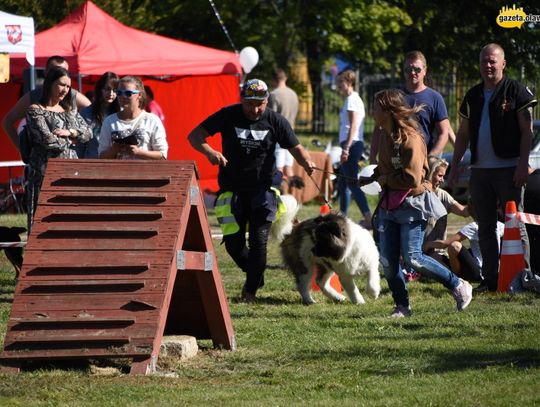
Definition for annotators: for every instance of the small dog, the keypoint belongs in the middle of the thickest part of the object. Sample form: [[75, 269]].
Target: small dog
[[13, 254], [331, 243]]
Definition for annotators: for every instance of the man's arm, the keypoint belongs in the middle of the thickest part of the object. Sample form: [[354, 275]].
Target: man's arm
[[525, 126], [452, 136], [81, 101], [16, 113], [197, 139], [303, 158], [443, 131], [375, 144], [462, 142]]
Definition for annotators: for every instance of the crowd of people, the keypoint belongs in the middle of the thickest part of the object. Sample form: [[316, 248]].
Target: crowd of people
[[258, 143], [59, 122]]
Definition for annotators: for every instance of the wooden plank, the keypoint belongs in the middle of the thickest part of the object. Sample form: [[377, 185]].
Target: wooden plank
[[96, 242], [119, 352], [89, 257], [147, 316], [79, 333]]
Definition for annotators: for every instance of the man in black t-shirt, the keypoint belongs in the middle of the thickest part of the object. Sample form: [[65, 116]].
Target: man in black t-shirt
[[249, 133]]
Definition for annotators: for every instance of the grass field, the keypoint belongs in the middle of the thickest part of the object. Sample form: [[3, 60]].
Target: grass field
[[322, 355]]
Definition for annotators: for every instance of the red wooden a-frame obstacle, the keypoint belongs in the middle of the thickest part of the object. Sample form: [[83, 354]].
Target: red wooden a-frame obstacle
[[120, 254]]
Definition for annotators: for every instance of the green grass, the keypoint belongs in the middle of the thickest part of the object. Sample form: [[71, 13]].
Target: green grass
[[325, 354]]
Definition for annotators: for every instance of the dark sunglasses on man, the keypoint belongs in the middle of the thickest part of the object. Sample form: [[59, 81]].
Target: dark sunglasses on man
[[127, 92], [415, 69]]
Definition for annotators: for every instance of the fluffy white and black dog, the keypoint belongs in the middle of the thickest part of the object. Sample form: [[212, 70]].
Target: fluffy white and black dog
[[327, 244]]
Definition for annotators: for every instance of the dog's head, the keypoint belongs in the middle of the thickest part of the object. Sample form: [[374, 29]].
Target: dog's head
[[330, 237]]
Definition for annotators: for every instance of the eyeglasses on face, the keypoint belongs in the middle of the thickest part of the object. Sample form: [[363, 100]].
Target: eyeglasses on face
[[415, 69], [127, 92]]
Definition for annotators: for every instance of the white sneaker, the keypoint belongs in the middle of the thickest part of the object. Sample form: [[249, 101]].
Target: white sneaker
[[462, 294], [401, 311]]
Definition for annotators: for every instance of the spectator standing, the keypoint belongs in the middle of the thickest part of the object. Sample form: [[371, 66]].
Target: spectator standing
[[132, 133], [105, 103], [351, 140], [283, 100], [407, 202], [54, 127], [18, 111], [249, 133], [151, 105], [497, 124], [433, 115]]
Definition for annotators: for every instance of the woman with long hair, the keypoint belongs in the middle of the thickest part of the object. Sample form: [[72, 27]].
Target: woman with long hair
[[54, 128], [406, 202], [105, 103], [132, 133], [351, 140]]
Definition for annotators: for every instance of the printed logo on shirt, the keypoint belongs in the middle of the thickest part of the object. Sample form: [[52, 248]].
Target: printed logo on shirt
[[250, 138]]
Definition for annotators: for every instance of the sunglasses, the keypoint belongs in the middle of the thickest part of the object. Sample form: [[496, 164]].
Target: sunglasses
[[255, 92], [415, 69], [126, 92]]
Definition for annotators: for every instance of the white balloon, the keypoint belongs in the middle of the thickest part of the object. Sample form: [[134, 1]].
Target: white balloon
[[371, 189], [249, 57]]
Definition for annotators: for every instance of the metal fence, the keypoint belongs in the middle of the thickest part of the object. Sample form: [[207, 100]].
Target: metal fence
[[451, 88]]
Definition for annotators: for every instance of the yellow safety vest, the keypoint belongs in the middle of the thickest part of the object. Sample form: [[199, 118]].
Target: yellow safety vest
[[281, 208], [224, 214]]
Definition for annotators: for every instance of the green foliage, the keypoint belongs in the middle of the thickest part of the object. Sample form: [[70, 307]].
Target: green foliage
[[373, 35]]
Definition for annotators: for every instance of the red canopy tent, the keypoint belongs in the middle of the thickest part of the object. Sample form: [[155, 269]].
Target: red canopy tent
[[189, 81]]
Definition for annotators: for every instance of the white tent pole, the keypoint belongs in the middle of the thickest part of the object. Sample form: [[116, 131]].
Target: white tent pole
[[79, 82]]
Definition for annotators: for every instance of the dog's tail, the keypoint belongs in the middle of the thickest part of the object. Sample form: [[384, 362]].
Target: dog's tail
[[283, 225], [374, 280]]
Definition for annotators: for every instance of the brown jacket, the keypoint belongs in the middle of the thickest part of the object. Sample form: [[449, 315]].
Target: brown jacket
[[403, 166]]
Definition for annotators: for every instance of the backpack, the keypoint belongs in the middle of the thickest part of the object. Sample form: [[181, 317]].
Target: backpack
[[25, 145]]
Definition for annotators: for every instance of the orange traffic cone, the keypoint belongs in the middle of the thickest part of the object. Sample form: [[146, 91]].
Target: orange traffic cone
[[512, 260], [334, 282], [324, 209]]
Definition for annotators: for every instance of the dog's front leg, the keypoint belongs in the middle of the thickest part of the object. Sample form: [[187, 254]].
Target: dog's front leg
[[323, 281], [351, 289]]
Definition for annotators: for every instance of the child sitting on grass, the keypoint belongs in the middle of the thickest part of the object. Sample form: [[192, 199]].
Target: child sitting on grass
[[465, 262]]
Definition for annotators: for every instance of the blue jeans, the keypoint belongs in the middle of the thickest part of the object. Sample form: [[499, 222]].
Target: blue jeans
[[491, 188], [347, 185], [406, 239]]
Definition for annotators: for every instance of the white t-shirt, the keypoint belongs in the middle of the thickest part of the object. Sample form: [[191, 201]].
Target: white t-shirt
[[470, 231], [353, 103], [283, 157], [147, 127]]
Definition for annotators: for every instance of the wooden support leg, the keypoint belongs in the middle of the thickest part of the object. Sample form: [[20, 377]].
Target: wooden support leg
[[143, 365]]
